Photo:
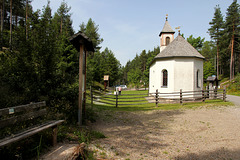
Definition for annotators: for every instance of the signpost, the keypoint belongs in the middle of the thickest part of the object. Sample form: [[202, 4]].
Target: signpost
[[84, 45], [106, 80]]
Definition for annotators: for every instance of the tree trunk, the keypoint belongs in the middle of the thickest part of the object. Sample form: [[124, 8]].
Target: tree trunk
[[10, 41], [2, 14], [232, 61], [233, 72], [217, 60], [232, 56], [26, 19], [2, 20], [239, 63], [16, 20], [61, 25]]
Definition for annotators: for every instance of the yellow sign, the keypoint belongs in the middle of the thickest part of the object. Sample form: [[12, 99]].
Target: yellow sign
[[106, 78]]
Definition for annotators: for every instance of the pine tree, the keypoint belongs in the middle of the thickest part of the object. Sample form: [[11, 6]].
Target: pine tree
[[197, 43], [138, 69], [2, 3], [10, 41], [91, 31], [232, 32], [111, 66], [143, 60], [2, 14], [216, 31], [26, 15], [62, 19], [18, 11]]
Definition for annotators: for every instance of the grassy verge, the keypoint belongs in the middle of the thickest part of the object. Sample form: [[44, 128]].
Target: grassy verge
[[236, 93], [74, 133], [151, 106], [234, 86], [135, 106]]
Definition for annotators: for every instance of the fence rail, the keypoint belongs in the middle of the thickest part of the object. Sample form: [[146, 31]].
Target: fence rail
[[157, 97]]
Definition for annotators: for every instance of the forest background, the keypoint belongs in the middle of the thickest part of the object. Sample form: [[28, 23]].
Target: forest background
[[37, 61]]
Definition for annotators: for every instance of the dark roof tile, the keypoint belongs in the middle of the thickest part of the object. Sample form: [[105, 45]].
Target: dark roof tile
[[79, 38], [167, 28], [179, 47]]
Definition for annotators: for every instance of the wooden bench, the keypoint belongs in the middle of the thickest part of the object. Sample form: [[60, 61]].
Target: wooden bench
[[32, 116]]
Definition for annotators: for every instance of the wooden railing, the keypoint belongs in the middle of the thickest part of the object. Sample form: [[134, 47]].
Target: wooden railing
[[189, 96], [117, 100], [156, 97]]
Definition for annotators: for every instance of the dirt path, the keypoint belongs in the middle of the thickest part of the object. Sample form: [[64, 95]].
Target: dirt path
[[203, 133], [234, 99]]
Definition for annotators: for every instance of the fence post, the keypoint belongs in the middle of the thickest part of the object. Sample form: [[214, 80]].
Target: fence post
[[91, 96], [156, 96], [181, 100], [224, 94], [215, 93], [207, 90], [116, 99], [203, 96]]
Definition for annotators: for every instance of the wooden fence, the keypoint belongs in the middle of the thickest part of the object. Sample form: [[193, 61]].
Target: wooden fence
[[156, 97], [117, 100], [188, 96]]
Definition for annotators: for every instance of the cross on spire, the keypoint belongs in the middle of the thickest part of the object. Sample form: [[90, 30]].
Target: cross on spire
[[178, 29]]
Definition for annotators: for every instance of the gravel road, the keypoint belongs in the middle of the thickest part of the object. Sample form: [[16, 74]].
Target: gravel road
[[234, 99], [202, 133]]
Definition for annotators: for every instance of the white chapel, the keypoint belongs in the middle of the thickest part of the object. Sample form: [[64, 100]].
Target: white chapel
[[178, 65]]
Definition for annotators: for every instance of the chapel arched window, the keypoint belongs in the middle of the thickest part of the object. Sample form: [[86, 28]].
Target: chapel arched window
[[167, 41], [197, 79], [165, 78]]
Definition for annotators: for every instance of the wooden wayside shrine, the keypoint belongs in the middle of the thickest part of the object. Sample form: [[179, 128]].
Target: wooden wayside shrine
[[83, 45]]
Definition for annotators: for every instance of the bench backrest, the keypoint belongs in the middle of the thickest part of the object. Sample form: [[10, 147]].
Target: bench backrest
[[12, 115]]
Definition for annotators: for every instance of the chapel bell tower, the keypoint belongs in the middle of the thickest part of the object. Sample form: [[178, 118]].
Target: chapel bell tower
[[166, 35]]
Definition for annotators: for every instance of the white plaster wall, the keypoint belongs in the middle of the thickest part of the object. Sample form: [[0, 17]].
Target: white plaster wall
[[155, 76], [152, 78], [184, 76], [198, 65]]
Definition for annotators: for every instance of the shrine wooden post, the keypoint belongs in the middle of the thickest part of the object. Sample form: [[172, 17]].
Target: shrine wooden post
[[106, 82], [83, 45]]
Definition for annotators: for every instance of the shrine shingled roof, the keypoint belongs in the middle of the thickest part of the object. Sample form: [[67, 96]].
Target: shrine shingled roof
[[81, 38], [167, 28], [179, 47]]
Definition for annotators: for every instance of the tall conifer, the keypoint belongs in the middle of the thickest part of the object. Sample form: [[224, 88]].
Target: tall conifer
[[10, 41], [91, 31], [232, 32], [2, 14], [216, 31]]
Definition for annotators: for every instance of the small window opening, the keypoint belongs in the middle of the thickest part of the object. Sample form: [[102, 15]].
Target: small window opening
[[165, 78], [197, 79], [167, 41]]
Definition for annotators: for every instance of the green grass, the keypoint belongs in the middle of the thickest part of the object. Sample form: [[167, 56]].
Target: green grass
[[135, 92], [235, 93], [152, 106], [86, 136], [126, 97], [233, 87], [224, 80]]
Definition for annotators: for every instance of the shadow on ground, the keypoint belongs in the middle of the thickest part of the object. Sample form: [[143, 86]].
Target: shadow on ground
[[220, 154], [134, 131]]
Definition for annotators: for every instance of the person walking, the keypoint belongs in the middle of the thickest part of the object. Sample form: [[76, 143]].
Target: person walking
[[119, 89]]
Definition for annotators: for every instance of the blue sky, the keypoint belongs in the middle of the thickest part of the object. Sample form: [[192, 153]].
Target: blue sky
[[130, 26]]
